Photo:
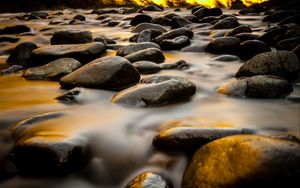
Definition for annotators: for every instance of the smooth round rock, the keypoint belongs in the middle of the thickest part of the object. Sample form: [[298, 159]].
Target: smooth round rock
[[173, 34], [21, 55], [238, 30], [147, 67], [156, 90], [16, 29], [79, 17], [226, 23], [280, 63], [228, 45], [150, 54], [244, 161], [126, 50], [143, 26], [250, 48], [176, 43], [71, 37], [148, 180], [140, 18]]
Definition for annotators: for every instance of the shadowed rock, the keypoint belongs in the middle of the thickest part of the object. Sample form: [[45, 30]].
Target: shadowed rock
[[147, 67], [71, 37], [174, 33], [143, 26], [147, 180], [126, 50], [151, 54], [228, 45], [21, 54]]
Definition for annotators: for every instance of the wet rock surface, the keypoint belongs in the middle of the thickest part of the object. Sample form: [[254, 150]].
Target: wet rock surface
[[156, 90], [71, 37], [247, 159], [228, 45], [150, 54], [21, 54], [126, 50], [149, 179]]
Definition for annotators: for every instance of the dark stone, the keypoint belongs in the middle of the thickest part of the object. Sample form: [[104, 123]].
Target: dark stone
[[191, 18], [261, 86], [147, 67], [134, 37], [53, 70], [281, 63], [171, 15], [254, 161], [175, 44], [143, 26], [102, 17], [71, 37], [250, 48], [156, 90], [292, 19], [194, 9], [110, 41], [174, 33], [277, 16], [148, 180], [288, 44], [79, 17], [189, 139], [180, 65], [246, 36], [226, 58], [140, 18], [114, 46], [152, 8], [163, 21], [40, 14], [101, 39], [9, 39], [203, 12], [17, 29], [296, 50], [11, 70], [149, 54], [239, 29], [113, 23], [178, 22], [226, 23], [112, 73], [70, 97], [83, 53], [144, 36], [21, 54], [208, 19], [270, 35], [229, 45], [105, 11], [7, 169], [126, 50]]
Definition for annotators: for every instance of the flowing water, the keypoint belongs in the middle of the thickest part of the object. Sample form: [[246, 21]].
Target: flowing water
[[122, 136]]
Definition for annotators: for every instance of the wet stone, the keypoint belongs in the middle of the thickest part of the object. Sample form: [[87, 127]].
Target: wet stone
[[176, 43], [296, 51], [152, 8], [17, 29], [140, 18], [11, 70], [288, 44], [156, 90], [9, 39], [280, 63], [126, 50], [178, 22], [203, 12], [70, 97], [269, 36], [262, 86], [250, 48], [163, 21], [174, 33], [251, 161], [83, 53], [144, 36], [112, 73], [144, 26], [22, 54], [53, 70], [148, 180], [40, 14], [189, 139], [226, 23], [71, 37], [238, 30], [180, 65], [150, 54], [229, 45], [246, 36], [226, 58], [147, 67], [79, 17]]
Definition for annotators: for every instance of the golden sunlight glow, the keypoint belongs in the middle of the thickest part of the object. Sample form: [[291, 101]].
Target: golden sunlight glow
[[167, 3]]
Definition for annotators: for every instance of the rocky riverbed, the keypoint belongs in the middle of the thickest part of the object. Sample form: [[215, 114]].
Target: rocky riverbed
[[150, 97]]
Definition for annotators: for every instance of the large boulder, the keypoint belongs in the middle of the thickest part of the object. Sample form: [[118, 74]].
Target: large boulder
[[21, 54], [71, 37], [84, 53], [53, 70], [280, 63], [150, 54], [156, 90], [110, 73], [126, 50], [261, 86], [244, 161], [228, 45]]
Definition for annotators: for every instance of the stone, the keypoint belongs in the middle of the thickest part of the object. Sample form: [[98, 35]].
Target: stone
[[277, 16], [189, 139], [140, 18], [53, 70], [288, 44], [156, 90], [246, 36], [174, 33], [226, 23], [178, 22], [261, 86], [144, 36], [292, 19], [79, 17], [83, 53], [228, 45], [129, 49], [150, 54], [40, 14], [284, 64], [163, 21], [152, 8], [250, 48], [114, 46], [147, 67], [238, 30], [111, 73], [296, 51], [143, 26], [249, 160], [9, 39], [101, 39], [21, 55], [208, 19], [17, 29], [226, 58], [113, 23], [7, 169], [71, 37], [269, 36], [11, 70], [148, 180], [180, 65], [175, 44], [70, 97], [203, 12]]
